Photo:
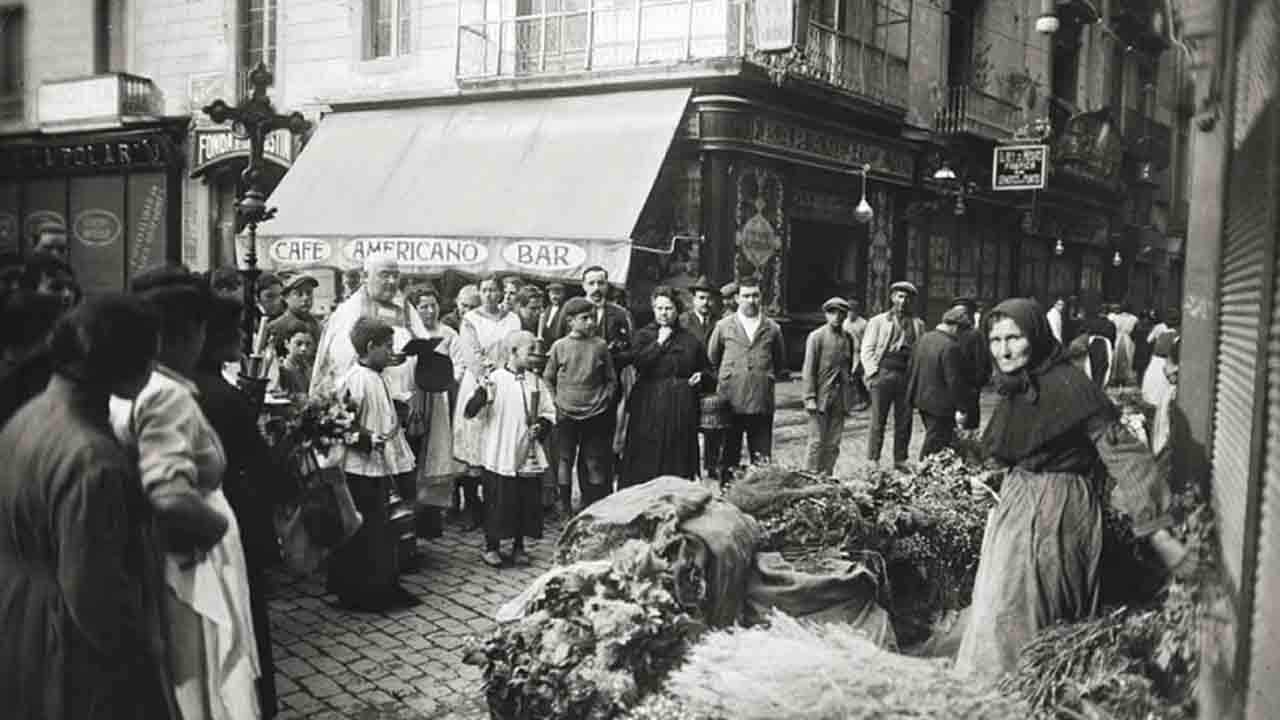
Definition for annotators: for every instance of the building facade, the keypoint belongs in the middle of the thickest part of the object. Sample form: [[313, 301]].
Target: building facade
[[762, 171]]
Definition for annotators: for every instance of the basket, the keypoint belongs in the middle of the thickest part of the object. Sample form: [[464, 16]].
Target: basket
[[714, 412]]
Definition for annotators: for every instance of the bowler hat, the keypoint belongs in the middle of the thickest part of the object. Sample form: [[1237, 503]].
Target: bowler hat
[[704, 285], [836, 303], [904, 286]]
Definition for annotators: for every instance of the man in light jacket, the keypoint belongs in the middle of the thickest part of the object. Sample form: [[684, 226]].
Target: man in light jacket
[[886, 352], [828, 357], [747, 349]]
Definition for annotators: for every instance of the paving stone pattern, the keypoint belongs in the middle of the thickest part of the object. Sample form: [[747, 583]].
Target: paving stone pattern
[[332, 664]]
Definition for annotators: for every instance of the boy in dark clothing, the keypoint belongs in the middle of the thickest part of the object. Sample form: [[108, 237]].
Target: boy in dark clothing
[[581, 375]]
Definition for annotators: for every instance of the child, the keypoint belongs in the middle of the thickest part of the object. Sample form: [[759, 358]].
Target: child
[[580, 373], [828, 358], [299, 348], [364, 571], [515, 413]]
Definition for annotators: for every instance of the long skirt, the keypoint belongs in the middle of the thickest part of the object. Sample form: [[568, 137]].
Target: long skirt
[[1122, 372], [662, 438], [436, 466], [513, 507], [214, 654], [1155, 385], [1039, 566], [364, 571]]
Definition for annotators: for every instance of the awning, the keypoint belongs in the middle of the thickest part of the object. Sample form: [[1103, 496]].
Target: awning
[[539, 186]]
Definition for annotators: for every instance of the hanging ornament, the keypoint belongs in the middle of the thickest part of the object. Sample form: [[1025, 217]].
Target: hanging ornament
[[1115, 259], [864, 213], [1059, 248]]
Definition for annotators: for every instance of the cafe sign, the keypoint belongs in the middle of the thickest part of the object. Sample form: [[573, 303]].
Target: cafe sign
[[1020, 167], [217, 144], [422, 252]]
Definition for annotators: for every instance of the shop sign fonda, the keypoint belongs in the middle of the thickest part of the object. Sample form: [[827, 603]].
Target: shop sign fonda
[[1020, 167], [544, 255], [214, 144], [421, 252]]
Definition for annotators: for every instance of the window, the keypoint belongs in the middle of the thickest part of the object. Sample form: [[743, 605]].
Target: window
[[257, 37], [12, 55], [387, 28], [109, 41]]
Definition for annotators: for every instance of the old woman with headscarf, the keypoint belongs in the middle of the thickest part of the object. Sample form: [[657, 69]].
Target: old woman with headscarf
[[1041, 550]]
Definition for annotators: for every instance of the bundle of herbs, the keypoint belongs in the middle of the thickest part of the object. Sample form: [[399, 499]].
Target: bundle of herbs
[[597, 638], [1135, 661], [923, 527]]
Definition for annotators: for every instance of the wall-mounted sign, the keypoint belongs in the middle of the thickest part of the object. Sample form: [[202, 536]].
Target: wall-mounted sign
[[97, 228], [300, 251], [544, 255], [37, 220], [428, 252], [1020, 167], [215, 144], [20, 161], [775, 24]]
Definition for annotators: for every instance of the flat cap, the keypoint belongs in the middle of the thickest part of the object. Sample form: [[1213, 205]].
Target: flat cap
[[956, 316], [577, 306], [904, 286], [968, 303], [729, 289], [836, 303], [300, 281]]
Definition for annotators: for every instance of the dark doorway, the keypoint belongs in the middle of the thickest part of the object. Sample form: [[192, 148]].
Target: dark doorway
[[824, 259]]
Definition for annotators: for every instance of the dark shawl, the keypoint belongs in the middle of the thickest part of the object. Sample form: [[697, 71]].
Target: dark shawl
[[1045, 400]]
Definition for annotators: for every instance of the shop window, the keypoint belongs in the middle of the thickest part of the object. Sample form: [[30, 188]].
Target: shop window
[[109, 40], [388, 28], [12, 55], [1034, 270], [990, 269], [257, 37], [915, 257], [1091, 272]]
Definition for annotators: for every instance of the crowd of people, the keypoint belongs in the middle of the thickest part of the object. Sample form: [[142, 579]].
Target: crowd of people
[[142, 531]]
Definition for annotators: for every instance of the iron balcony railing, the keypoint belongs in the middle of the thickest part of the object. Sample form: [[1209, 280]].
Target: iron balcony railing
[[595, 35], [967, 110], [855, 66]]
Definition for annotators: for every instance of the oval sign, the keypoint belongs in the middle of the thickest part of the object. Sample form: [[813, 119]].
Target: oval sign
[[422, 252], [39, 219], [300, 251], [97, 228], [544, 255]]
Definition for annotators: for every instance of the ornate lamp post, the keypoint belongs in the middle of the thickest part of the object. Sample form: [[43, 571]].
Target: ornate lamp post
[[255, 118]]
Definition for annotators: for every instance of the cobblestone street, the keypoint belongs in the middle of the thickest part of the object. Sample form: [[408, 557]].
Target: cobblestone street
[[407, 664]]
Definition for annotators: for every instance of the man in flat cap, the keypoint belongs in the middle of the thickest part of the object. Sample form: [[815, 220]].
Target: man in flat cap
[[728, 299], [886, 353], [828, 362], [939, 384], [298, 299], [973, 353]]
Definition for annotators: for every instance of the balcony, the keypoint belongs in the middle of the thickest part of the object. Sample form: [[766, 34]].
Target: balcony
[[968, 110], [584, 36], [854, 66]]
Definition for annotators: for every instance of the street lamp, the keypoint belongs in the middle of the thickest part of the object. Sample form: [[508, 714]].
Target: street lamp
[[863, 213], [254, 118], [1116, 259], [1059, 248]]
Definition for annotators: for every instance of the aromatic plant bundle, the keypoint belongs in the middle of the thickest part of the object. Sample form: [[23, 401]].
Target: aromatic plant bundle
[[596, 639]]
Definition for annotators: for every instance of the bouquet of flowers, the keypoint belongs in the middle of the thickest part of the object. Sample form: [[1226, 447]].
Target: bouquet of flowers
[[313, 429]]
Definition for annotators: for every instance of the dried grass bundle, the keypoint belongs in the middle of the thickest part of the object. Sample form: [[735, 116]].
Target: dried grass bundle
[[800, 672]]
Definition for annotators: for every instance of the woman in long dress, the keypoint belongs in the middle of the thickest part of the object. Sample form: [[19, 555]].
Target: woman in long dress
[[74, 573], [1154, 384], [437, 467], [479, 351], [1040, 553], [671, 368], [1125, 322], [213, 650]]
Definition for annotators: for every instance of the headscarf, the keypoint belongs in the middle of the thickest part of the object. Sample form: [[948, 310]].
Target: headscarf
[[1045, 399]]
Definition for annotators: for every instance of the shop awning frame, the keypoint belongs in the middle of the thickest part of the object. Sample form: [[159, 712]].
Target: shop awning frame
[[540, 186]]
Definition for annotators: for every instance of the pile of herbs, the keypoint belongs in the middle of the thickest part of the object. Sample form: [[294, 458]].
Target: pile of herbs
[[1135, 661], [597, 639], [923, 528]]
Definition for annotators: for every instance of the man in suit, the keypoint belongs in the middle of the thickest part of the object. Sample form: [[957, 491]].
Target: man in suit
[[269, 291], [547, 321], [748, 353], [701, 318], [940, 383]]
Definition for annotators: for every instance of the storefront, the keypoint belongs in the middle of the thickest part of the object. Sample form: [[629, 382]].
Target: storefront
[[117, 195], [970, 254]]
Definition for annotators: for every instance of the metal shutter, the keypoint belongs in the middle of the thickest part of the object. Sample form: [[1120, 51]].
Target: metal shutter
[[1244, 253]]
